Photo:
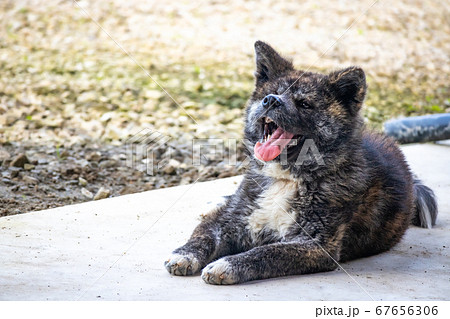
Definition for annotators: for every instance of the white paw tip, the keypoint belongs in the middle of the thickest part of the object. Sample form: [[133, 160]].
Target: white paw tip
[[182, 265], [219, 273]]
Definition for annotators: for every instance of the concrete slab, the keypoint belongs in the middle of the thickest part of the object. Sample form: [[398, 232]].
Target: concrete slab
[[114, 249]]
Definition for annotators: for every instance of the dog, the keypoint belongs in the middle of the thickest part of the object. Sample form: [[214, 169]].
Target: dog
[[320, 189]]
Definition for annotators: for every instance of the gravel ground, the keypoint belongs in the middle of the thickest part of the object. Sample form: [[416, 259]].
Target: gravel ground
[[68, 93], [35, 178]]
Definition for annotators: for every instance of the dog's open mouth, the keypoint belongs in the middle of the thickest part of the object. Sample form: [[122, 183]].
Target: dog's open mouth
[[273, 141]]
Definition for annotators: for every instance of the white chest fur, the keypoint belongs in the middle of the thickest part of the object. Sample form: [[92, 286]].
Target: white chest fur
[[274, 213]]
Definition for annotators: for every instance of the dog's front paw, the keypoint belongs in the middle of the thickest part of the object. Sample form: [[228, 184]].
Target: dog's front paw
[[219, 272], [182, 265]]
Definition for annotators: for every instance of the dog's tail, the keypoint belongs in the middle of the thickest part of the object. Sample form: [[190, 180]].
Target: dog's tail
[[426, 209]]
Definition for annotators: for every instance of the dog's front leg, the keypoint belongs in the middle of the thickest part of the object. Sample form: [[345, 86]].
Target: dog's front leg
[[268, 261], [206, 244]]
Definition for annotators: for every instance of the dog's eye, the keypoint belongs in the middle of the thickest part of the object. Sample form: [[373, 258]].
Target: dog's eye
[[303, 104]]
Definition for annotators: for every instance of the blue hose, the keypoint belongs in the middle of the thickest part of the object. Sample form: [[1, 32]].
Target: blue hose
[[419, 129]]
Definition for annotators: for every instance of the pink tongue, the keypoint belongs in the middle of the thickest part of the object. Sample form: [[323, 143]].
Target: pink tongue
[[273, 147]]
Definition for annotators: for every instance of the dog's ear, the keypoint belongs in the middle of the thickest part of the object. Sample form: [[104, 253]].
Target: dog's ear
[[349, 87], [269, 64]]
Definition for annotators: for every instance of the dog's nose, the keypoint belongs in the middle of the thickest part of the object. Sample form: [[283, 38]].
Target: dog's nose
[[271, 100]]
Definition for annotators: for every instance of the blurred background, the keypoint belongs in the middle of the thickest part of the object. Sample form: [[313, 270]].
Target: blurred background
[[70, 97]]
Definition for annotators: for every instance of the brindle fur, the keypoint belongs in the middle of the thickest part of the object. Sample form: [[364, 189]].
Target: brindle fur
[[357, 202]]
